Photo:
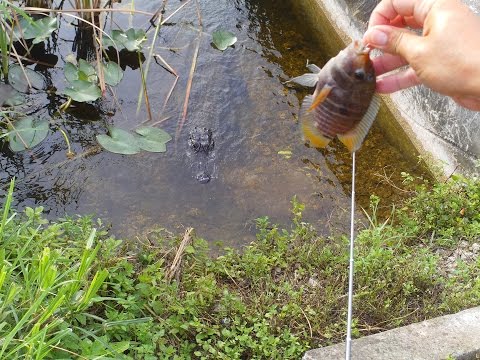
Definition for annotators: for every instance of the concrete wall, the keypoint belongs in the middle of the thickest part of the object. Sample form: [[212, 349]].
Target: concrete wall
[[418, 120]]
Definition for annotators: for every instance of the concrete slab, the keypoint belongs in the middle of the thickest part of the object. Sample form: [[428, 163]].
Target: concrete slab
[[456, 335]]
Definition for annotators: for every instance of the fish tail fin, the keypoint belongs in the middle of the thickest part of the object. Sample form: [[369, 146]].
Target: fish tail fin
[[354, 138], [310, 133]]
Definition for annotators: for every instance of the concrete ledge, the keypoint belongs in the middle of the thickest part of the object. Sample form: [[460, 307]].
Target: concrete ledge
[[456, 335]]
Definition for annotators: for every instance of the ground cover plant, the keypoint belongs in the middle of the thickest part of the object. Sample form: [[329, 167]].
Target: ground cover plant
[[68, 290]]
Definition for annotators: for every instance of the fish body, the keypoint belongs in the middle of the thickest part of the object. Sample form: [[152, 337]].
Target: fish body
[[343, 103]]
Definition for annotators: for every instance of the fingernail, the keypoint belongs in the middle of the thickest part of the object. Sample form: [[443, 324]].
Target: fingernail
[[377, 37]]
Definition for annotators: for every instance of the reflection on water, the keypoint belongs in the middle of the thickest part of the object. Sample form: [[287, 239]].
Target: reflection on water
[[239, 94]]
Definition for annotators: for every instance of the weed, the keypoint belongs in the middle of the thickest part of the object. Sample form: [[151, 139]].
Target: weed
[[69, 291]]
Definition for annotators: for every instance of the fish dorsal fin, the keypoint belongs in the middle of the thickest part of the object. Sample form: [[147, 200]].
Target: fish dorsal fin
[[309, 80], [354, 138], [313, 68], [321, 96], [310, 133]]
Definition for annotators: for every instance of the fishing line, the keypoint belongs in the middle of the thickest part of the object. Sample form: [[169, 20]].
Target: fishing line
[[348, 344]]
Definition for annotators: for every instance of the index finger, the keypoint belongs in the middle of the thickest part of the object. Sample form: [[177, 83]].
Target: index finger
[[388, 10]]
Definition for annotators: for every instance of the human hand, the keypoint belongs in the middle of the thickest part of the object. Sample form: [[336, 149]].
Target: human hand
[[446, 58]]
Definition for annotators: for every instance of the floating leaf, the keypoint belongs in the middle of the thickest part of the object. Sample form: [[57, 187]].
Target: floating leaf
[[38, 30], [223, 39], [84, 71], [83, 91], [112, 72], [6, 91], [15, 99], [16, 78], [119, 142], [27, 133], [132, 39], [153, 139]]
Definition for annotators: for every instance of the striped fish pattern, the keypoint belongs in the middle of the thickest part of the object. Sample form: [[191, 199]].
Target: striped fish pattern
[[344, 102]]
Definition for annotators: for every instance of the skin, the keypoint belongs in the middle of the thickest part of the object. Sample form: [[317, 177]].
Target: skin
[[446, 58]]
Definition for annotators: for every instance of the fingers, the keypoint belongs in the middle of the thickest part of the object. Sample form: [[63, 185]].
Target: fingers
[[386, 63], [388, 10], [394, 41], [401, 80], [469, 102]]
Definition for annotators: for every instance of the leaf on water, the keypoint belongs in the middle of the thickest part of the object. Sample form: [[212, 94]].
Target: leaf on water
[[27, 133], [83, 91], [132, 39], [112, 72], [38, 30], [119, 142], [15, 99], [16, 78], [152, 139], [70, 71], [222, 39], [84, 71], [6, 91]]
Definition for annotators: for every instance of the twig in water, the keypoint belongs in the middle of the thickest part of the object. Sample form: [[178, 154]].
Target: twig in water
[[189, 88], [169, 68]]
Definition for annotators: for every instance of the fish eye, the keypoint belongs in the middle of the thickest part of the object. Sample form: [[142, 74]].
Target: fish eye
[[359, 74]]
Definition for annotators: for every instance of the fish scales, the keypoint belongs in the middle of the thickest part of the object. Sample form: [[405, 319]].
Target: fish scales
[[342, 104]]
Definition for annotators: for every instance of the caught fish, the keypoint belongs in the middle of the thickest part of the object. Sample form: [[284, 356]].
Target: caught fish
[[344, 102]]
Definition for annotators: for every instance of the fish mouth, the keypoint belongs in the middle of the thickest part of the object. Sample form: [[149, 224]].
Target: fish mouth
[[364, 49]]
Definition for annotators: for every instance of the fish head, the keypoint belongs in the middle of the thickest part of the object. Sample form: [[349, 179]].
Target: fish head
[[357, 62]]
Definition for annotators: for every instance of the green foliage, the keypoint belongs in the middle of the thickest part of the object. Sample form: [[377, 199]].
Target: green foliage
[[222, 39], [447, 213], [132, 39], [38, 30], [26, 133], [123, 142], [23, 79], [282, 294]]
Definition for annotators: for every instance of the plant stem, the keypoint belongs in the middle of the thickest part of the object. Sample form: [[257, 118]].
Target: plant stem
[[70, 153]]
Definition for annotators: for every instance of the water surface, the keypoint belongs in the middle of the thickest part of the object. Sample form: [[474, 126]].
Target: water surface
[[240, 94]]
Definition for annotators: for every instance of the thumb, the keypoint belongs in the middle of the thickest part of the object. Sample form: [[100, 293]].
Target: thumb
[[393, 40]]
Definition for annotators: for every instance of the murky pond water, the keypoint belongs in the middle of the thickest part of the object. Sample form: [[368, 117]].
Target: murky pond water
[[239, 94]]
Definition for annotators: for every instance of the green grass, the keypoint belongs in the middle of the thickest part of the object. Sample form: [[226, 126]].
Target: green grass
[[70, 291]]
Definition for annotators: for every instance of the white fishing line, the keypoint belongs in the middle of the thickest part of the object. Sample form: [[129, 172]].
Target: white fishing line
[[348, 343]]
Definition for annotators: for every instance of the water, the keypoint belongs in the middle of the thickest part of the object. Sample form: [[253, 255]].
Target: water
[[239, 94]]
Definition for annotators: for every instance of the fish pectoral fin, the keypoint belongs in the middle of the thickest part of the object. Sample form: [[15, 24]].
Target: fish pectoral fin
[[322, 95], [354, 138], [309, 80], [310, 133]]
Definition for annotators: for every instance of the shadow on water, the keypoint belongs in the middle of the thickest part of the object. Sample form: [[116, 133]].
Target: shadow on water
[[239, 95]]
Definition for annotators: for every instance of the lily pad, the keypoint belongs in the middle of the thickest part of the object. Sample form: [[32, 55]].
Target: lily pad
[[112, 72], [84, 71], [153, 139], [6, 91], [132, 39], [222, 39], [119, 142], [15, 99], [27, 133], [38, 30], [17, 78], [83, 91]]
